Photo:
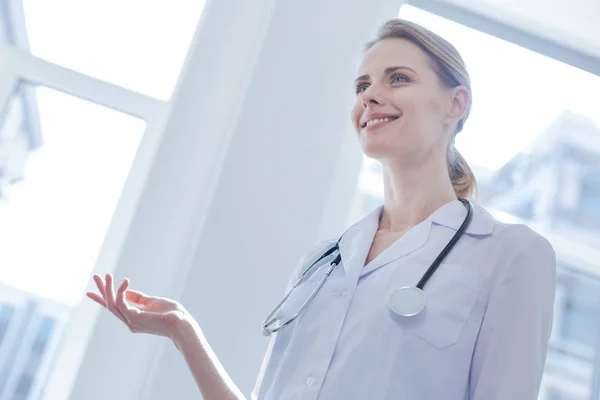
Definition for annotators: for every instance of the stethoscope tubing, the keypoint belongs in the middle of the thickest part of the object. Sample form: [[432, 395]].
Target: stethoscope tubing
[[272, 317]]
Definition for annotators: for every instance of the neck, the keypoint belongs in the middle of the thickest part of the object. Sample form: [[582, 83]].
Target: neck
[[413, 193]]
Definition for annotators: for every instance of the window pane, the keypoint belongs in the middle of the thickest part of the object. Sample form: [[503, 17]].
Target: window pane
[[23, 387], [6, 314], [58, 199], [137, 44], [64, 162]]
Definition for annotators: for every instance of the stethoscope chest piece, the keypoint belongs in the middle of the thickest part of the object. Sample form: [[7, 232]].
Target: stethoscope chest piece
[[407, 301]]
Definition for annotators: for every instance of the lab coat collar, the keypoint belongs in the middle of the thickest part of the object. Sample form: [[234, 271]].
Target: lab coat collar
[[356, 243], [452, 215]]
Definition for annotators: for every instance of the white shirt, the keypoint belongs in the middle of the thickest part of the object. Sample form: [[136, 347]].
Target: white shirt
[[482, 336]]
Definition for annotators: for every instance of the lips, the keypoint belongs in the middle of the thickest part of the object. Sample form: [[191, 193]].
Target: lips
[[379, 120], [372, 119], [377, 123]]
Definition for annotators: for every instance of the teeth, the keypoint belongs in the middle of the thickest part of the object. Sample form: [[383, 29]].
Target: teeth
[[374, 121]]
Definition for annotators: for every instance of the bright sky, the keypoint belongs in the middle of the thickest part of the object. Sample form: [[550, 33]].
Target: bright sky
[[54, 222], [137, 44]]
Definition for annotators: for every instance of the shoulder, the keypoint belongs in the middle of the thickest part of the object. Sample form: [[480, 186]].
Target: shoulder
[[513, 237], [522, 254], [514, 249], [310, 255], [317, 249], [520, 239]]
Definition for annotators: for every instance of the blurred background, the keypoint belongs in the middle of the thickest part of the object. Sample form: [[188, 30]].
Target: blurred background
[[181, 144]]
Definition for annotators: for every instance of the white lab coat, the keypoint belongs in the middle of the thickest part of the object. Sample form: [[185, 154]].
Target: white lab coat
[[482, 336]]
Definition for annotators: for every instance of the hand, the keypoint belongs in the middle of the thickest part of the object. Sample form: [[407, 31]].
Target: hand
[[139, 312]]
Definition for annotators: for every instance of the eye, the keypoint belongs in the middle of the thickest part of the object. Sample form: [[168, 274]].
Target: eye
[[361, 87], [401, 76]]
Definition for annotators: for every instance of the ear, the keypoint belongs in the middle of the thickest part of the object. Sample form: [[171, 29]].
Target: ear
[[457, 107]]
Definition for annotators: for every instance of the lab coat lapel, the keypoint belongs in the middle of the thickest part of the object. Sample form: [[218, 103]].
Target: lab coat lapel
[[451, 214], [356, 243], [355, 246], [411, 241]]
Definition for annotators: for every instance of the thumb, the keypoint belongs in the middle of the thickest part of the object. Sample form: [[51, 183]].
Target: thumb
[[152, 323], [137, 297]]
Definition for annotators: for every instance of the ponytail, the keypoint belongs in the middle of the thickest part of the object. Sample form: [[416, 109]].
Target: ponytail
[[462, 177]]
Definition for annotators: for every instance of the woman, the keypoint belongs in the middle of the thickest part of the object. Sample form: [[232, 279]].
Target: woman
[[485, 326]]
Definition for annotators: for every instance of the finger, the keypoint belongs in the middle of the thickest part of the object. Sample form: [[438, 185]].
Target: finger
[[101, 285], [109, 292], [128, 312], [100, 300], [110, 300], [121, 303], [97, 298]]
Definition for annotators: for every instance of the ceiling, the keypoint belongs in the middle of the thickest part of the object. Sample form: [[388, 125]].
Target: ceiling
[[573, 24]]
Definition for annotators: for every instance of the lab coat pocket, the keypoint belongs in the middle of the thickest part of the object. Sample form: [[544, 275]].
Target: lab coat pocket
[[451, 293]]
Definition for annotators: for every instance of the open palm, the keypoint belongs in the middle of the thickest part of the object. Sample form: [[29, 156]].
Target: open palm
[[139, 312]]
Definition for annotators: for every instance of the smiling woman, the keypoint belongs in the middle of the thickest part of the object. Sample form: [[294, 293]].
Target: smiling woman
[[402, 88]]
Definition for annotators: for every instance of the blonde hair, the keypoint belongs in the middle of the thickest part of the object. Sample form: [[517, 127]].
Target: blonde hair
[[452, 71]]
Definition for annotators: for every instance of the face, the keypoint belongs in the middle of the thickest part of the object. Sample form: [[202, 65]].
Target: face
[[403, 112]]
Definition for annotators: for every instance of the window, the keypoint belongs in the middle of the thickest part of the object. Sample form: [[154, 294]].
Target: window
[[43, 336], [6, 314], [80, 118], [23, 387], [580, 308], [35, 357], [55, 213], [136, 44], [65, 201], [589, 197]]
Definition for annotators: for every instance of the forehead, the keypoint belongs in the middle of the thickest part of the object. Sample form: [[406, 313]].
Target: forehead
[[393, 52]]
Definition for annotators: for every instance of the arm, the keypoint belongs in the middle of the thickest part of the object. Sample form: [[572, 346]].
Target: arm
[[209, 374], [160, 316], [510, 352]]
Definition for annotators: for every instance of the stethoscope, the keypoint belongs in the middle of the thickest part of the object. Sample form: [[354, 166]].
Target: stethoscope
[[406, 301]]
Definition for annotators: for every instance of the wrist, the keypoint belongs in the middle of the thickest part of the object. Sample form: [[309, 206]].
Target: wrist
[[185, 330]]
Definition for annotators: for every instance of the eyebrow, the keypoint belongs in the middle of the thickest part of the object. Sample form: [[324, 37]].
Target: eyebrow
[[387, 71]]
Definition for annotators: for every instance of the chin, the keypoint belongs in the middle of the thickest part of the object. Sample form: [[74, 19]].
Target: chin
[[377, 151], [387, 145]]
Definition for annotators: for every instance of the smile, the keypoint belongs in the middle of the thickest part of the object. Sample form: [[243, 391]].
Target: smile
[[378, 122]]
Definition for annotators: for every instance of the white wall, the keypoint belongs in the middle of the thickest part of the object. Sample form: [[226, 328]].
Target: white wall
[[258, 160]]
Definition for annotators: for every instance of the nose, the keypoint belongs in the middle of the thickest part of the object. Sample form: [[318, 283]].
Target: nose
[[371, 96]]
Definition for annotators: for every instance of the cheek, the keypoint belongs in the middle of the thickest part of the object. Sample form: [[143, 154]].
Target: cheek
[[422, 115], [433, 109], [428, 119], [355, 114]]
